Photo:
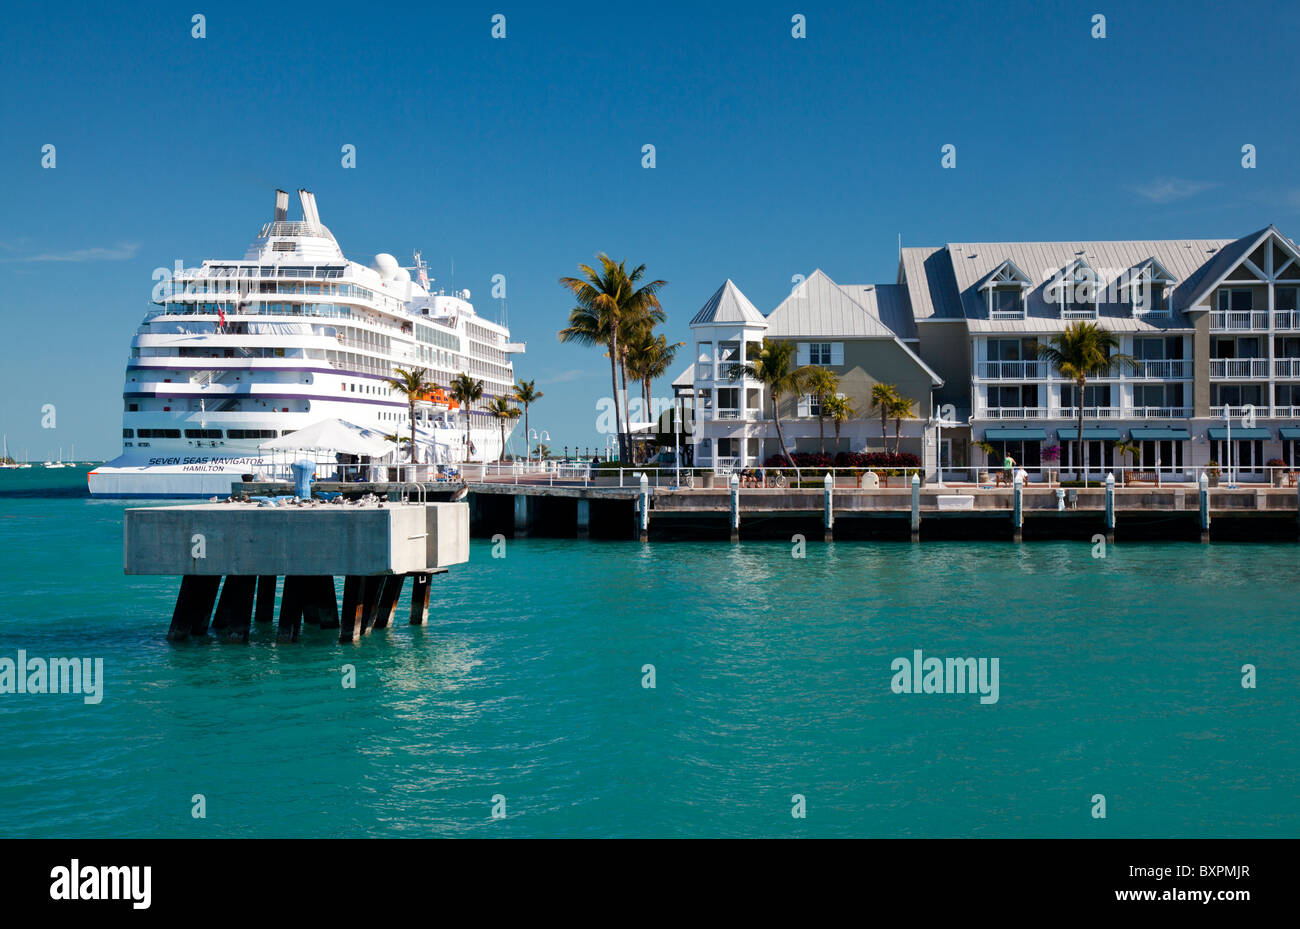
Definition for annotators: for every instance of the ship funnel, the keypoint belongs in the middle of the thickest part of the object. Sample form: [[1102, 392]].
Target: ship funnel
[[309, 214], [281, 206]]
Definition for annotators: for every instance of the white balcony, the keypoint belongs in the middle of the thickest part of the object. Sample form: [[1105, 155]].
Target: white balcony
[[1286, 319], [1007, 314], [1014, 412], [1286, 367], [1159, 412], [1238, 320], [1011, 370], [1090, 412], [1238, 367], [1173, 368], [1217, 411]]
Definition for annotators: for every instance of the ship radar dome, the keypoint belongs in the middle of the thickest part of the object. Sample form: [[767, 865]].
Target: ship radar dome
[[386, 265], [402, 275]]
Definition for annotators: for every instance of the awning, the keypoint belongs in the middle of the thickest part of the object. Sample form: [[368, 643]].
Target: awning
[[1289, 432], [1089, 432], [334, 435], [1015, 435], [1164, 433], [1221, 432]]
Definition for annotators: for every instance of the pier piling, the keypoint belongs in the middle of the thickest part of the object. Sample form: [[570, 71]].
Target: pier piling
[[265, 611], [1205, 507], [420, 589], [388, 597], [1017, 509], [828, 508], [735, 508], [584, 518], [193, 606], [235, 607], [916, 508], [353, 609], [291, 598], [327, 603], [1110, 508], [523, 515], [643, 523]]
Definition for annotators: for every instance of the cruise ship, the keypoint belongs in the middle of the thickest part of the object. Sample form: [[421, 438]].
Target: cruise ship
[[235, 353]]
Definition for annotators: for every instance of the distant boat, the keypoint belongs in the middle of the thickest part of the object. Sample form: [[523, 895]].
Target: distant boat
[[5, 463], [58, 463]]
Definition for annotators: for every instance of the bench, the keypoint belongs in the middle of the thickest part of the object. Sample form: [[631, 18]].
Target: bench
[[1141, 477]]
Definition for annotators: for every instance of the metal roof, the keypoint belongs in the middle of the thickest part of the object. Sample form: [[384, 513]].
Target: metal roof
[[888, 303], [820, 308], [686, 378], [728, 305]]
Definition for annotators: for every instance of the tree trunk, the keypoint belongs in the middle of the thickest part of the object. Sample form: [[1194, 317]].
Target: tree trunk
[[627, 408], [528, 449], [613, 383], [1082, 384], [399, 456], [898, 435], [821, 430], [884, 434], [780, 436]]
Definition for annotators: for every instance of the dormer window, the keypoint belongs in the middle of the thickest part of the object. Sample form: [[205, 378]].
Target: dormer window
[[1004, 292], [1151, 290], [1077, 290]]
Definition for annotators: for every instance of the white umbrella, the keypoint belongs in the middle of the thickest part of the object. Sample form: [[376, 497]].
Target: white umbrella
[[334, 435]]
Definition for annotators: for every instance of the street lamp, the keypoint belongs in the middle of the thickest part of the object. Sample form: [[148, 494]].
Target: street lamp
[[939, 422], [541, 437]]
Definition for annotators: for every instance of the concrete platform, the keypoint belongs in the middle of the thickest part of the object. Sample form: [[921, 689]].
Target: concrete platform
[[245, 539]]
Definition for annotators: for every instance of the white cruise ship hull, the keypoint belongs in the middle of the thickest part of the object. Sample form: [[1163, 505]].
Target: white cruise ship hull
[[172, 476]]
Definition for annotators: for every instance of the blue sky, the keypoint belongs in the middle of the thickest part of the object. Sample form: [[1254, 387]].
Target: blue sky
[[522, 156]]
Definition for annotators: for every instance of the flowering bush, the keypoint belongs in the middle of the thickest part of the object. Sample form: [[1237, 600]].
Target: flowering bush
[[886, 460]]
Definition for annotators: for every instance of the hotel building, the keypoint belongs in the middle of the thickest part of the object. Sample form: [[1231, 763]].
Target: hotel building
[[1212, 324]]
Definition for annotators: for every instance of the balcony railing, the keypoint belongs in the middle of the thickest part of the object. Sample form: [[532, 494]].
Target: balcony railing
[[1161, 370], [1015, 412], [1079, 311], [1012, 370], [1007, 314], [728, 370], [1238, 320], [1286, 367], [1090, 412], [1238, 367], [1286, 319], [1217, 411], [1159, 412]]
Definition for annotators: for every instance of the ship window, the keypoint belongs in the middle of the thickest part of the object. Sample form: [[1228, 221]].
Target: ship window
[[202, 433], [160, 433], [128, 433], [133, 407]]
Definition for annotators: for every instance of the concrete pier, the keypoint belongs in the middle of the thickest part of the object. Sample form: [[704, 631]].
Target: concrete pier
[[373, 547]]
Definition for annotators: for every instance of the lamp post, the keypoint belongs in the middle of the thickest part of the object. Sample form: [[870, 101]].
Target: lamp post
[[1227, 421], [542, 436], [939, 422]]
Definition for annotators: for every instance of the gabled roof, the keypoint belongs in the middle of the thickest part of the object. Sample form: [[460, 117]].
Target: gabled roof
[[820, 308], [889, 303], [728, 305], [1232, 256], [1006, 273], [686, 378], [969, 264]]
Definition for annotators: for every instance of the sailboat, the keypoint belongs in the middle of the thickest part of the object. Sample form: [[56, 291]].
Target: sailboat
[[59, 463], [5, 463], [26, 463]]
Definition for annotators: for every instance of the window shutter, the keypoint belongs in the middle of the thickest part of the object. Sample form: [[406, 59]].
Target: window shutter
[[837, 353], [805, 405], [802, 354]]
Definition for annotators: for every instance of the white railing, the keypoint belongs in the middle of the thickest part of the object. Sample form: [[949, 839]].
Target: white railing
[[1286, 319], [727, 413], [1159, 370], [1218, 411], [1238, 320], [1238, 367], [1159, 412], [1015, 412], [1069, 312], [1007, 314], [1089, 412], [728, 370], [1286, 367], [1287, 411], [1011, 370]]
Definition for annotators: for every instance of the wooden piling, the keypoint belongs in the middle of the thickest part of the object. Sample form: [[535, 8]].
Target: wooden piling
[[388, 597], [327, 604], [291, 599], [420, 589], [265, 598], [370, 594], [235, 608], [350, 620], [193, 606]]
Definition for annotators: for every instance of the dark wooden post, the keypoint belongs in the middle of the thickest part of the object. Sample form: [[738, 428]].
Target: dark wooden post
[[235, 608], [265, 598], [290, 609], [193, 606], [370, 594], [327, 602], [420, 588], [388, 597], [350, 621]]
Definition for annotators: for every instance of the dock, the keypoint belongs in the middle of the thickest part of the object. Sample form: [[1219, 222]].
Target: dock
[[373, 547]]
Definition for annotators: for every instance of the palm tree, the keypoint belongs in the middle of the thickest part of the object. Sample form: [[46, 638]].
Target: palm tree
[[1128, 449], [840, 412], [883, 398], [774, 369], [526, 392], [502, 409], [822, 384], [413, 386], [466, 391], [1082, 351], [609, 302], [900, 409], [649, 357], [543, 452]]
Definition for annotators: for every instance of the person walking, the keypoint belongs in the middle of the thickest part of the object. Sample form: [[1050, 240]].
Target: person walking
[[1008, 465]]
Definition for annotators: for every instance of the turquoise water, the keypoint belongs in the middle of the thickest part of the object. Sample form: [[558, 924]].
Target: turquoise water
[[1119, 676]]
